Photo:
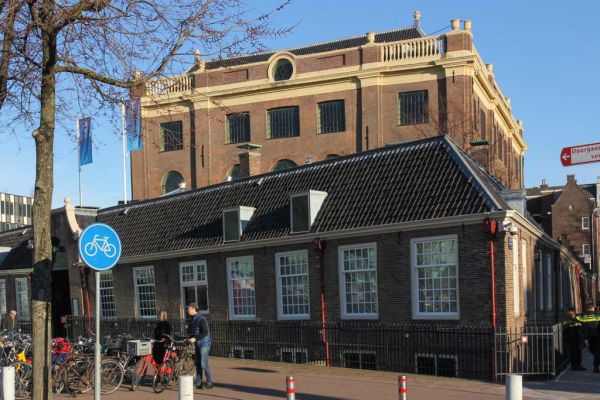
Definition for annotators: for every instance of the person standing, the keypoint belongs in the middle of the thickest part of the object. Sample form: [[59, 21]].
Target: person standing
[[163, 327], [10, 322], [572, 335], [589, 329], [202, 342]]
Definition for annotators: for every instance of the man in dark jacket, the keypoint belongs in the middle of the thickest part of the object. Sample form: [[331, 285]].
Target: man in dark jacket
[[572, 336], [202, 342], [10, 322], [589, 329]]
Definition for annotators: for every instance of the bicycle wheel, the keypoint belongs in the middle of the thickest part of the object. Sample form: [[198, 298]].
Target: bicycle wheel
[[188, 366], [79, 376], [23, 380], [138, 373], [163, 376], [59, 377], [111, 376]]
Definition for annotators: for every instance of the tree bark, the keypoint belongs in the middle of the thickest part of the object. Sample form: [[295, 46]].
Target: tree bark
[[41, 295]]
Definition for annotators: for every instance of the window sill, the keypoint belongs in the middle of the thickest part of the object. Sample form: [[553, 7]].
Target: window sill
[[170, 151], [293, 317], [416, 123], [283, 137], [244, 318], [328, 133], [359, 316], [436, 316]]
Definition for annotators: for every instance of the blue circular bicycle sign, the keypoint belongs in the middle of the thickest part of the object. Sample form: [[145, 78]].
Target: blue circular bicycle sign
[[100, 247]]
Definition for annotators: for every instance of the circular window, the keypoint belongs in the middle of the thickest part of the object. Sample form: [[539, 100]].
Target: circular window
[[234, 173], [171, 182], [283, 164], [283, 70]]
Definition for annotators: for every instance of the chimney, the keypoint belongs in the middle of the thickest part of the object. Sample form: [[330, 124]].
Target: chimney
[[417, 18], [250, 160], [598, 191], [544, 185], [468, 25], [516, 200], [455, 24], [571, 179]]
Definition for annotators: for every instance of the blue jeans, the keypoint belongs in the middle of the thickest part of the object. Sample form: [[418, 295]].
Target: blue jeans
[[201, 361]]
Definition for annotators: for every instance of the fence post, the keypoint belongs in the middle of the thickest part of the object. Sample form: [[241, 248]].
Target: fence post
[[514, 387], [186, 387], [402, 390], [8, 383], [290, 388]]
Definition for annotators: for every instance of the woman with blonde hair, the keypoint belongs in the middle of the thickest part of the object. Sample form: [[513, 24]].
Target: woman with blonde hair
[[162, 332]]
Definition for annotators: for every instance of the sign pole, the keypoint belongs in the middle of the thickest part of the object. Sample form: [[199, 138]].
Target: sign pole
[[97, 362]]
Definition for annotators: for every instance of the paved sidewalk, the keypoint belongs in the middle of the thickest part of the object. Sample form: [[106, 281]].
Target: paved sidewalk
[[252, 380]]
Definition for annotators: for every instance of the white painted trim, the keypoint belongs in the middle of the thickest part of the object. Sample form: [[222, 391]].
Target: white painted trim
[[585, 226], [525, 272], [27, 299], [11, 272], [278, 285], [194, 284], [230, 289], [342, 280], [515, 277], [416, 314], [549, 283], [136, 291]]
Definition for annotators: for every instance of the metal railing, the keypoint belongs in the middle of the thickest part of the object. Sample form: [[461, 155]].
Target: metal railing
[[413, 49]]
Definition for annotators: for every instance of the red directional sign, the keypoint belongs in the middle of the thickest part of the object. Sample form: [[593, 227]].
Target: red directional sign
[[587, 153]]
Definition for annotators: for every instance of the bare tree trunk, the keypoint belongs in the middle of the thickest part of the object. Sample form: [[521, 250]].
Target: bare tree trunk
[[42, 258]]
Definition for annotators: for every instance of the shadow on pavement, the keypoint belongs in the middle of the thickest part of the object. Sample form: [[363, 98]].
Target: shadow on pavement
[[272, 393]]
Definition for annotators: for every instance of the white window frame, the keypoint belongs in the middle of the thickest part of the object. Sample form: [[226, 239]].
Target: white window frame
[[106, 292], [524, 271], [279, 285], [549, 283], [137, 292], [435, 358], [3, 309], [585, 249], [342, 279], [516, 280], [416, 314], [194, 283], [585, 223], [561, 300], [243, 349], [540, 280], [294, 351], [23, 310], [360, 353], [230, 289]]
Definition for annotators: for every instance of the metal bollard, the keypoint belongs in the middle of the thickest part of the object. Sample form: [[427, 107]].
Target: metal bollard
[[514, 387], [186, 387], [8, 383], [402, 390], [290, 388]]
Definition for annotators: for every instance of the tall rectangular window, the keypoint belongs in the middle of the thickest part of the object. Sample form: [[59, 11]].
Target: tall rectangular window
[[22, 295], [283, 122], [3, 296], [435, 277], [194, 284], [292, 285], [171, 136], [238, 127], [412, 108], [332, 117], [540, 280], [108, 307], [549, 286], [585, 249], [358, 281], [240, 277], [145, 293], [524, 262], [482, 129], [516, 278], [585, 223]]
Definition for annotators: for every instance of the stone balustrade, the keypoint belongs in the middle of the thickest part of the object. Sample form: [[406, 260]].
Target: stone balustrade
[[170, 85], [412, 49]]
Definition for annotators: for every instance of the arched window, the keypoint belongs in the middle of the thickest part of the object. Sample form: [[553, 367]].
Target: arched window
[[283, 164], [171, 181], [331, 156], [234, 173], [283, 70]]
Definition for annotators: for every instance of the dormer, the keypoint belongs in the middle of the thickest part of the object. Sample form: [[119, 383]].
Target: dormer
[[304, 208], [235, 220]]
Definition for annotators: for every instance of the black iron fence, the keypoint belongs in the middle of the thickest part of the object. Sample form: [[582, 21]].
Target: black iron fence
[[474, 352]]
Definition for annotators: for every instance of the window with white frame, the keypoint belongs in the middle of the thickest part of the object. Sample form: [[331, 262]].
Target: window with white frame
[[585, 223], [3, 296], [436, 364], [292, 285], [524, 271], [435, 277], [194, 284], [145, 292], [516, 280], [549, 294], [108, 307], [293, 355], [540, 281], [242, 300], [360, 359], [22, 294], [561, 303], [243, 352], [585, 249], [358, 281]]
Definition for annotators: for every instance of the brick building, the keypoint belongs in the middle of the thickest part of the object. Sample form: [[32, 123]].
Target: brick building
[[225, 119], [571, 214]]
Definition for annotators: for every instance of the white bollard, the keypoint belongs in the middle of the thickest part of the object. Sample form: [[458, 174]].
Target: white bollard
[[514, 387], [290, 388], [402, 390], [8, 383], [186, 387]]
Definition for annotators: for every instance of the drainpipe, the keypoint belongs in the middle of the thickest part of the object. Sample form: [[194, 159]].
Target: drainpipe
[[320, 246]]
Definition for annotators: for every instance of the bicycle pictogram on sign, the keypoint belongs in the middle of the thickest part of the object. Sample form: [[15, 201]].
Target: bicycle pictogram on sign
[[91, 248], [100, 247]]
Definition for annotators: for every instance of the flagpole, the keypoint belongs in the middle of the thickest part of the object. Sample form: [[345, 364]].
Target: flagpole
[[123, 139], [79, 159]]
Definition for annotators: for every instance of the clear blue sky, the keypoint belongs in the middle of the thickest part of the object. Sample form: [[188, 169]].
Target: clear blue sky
[[546, 57]]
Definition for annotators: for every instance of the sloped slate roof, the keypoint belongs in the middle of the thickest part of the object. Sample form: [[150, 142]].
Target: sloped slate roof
[[340, 44], [19, 256], [414, 181]]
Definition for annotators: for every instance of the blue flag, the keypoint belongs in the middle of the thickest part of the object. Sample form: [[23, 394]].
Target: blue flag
[[133, 124], [85, 141]]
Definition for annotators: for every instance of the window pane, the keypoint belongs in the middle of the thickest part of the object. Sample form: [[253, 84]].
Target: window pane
[[3, 296], [171, 182], [332, 117], [300, 211], [145, 292], [412, 108], [283, 70], [293, 281], [360, 280], [108, 307], [22, 292], [283, 122], [241, 278], [171, 134], [231, 225], [238, 127]]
